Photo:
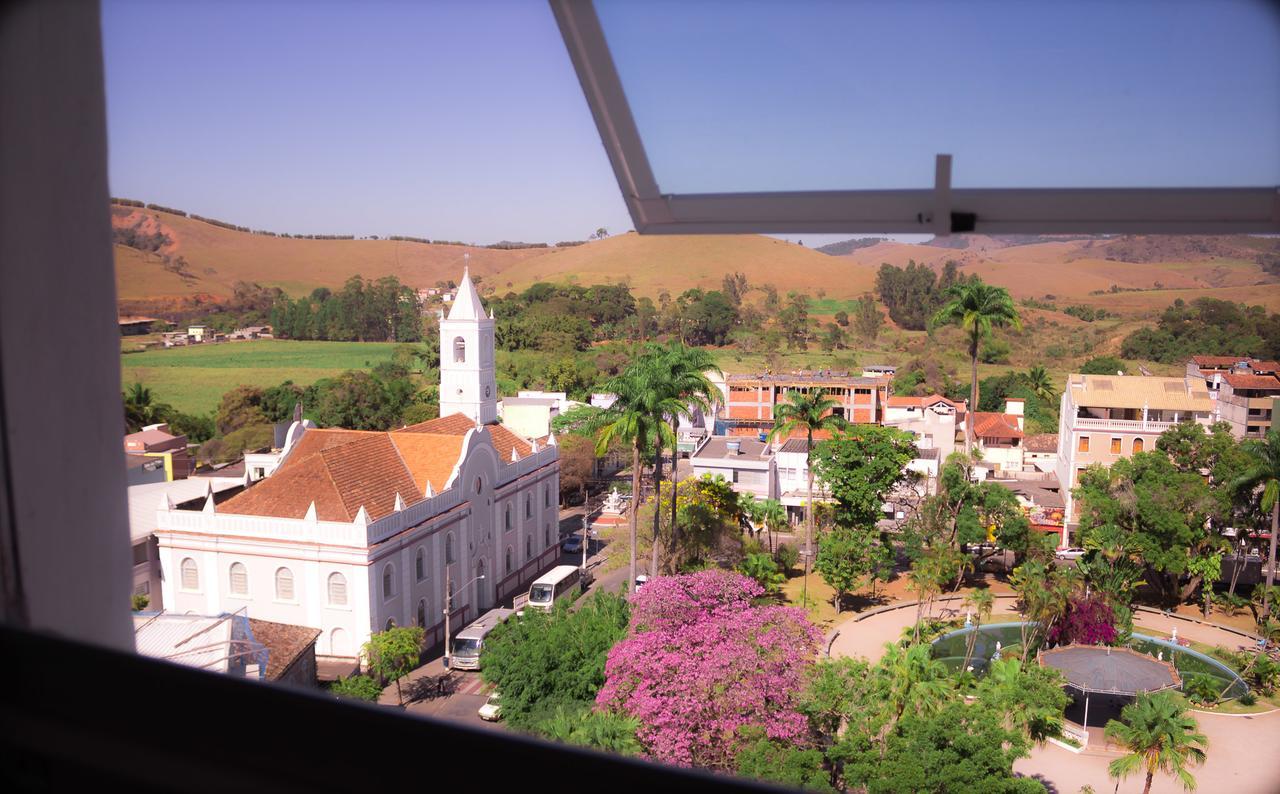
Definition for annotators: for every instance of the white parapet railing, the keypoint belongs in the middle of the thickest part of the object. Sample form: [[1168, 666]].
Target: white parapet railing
[[1130, 425]]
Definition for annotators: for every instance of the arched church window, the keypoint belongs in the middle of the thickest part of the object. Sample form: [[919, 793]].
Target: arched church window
[[459, 350]]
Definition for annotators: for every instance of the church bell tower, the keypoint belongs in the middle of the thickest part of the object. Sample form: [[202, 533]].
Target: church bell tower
[[467, 381]]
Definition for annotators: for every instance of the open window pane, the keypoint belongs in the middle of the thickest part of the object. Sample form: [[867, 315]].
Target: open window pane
[[805, 96]]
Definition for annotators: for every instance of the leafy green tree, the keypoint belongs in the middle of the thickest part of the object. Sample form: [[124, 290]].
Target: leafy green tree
[[842, 319], [794, 320], [1045, 591], [240, 407], [1160, 737], [868, 320], [357, 687], [361, 400], [393, 653], [850, 556], [1152, 511], [861, 466], [787, 556], [764, 570], [787, 765], [543, 661], [1264, 473], [1026, 697], [811, 412], [140, 602], [1103, 365], [197, 429], [977, 308]]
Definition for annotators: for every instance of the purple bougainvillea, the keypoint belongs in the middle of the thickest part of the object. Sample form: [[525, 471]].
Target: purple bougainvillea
[[701, 663], [1088, 621]]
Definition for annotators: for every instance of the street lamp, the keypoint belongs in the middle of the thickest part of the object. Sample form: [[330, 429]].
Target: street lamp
[[448, 607]]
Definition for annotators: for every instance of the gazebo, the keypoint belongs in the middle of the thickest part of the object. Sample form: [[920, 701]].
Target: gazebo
[[1104, 670]]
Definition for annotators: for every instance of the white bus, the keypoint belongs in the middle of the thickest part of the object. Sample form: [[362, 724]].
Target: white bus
[[553, 585], [467, 645]]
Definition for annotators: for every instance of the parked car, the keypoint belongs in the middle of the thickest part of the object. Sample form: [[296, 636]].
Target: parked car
[[491, 711], [572, 544], [640, 582], [1073, 553]]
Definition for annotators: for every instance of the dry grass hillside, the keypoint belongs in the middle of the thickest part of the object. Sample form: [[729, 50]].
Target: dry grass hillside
[[676, 263], [217, 258], [1160, 269]]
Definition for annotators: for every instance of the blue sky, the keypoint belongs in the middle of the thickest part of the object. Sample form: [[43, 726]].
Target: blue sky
[[465, 120]]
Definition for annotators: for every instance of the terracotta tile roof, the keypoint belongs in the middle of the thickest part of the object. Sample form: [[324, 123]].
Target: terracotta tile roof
[[429, 457], [920, 402], [370, 472], [1252, 381], [290, 491], [343, 470], [1041, 442], [1219, 361], [1265, 366], [451, 425], [285, 643], [992, 425], [458, 425]]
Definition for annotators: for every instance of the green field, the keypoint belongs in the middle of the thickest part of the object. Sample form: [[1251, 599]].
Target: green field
[[193, 379]]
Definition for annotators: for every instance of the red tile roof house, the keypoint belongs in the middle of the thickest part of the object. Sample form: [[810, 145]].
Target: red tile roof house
[[357, 531], [999, 437]]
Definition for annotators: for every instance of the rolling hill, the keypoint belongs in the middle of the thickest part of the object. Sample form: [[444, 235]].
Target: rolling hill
[[201, 262]]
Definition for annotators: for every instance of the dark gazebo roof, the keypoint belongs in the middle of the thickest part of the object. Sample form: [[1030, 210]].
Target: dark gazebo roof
[[1113, 671]]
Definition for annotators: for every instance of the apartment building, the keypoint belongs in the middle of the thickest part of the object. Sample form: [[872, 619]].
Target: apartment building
[[750, 400], [1108, 417], [1248, 397]]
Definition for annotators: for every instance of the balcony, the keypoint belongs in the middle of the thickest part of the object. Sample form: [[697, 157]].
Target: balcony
[[1128, 425]]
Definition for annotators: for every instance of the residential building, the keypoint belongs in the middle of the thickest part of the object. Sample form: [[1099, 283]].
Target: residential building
[[750, 400], [562, 401], [291, 653], [357, 531], [1248, 397], [155, 441], [936, 421], [133, 325], [1210, 369], [529, 417], [1043, 504], [142, 469], [199, 333], [1040, 452], [792, 459], [998, 437], [1107, 417], [748, 463]]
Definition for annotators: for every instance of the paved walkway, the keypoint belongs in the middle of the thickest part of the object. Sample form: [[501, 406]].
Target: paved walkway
[[1243, 752]]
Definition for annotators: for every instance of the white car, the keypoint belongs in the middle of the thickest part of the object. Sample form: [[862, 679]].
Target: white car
[[491, 711], [640, 582], [1073, 553]]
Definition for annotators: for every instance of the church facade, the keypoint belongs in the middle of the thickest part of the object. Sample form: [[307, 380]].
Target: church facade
[[357, 531]]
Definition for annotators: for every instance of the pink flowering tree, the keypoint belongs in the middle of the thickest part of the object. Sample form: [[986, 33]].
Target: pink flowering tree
[[1089, 621], [702, 662]]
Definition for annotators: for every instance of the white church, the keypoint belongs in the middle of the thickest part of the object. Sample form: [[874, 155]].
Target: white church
[[355, 530]]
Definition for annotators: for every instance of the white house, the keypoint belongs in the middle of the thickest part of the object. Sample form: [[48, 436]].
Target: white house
[[743, 461], [357, 531]]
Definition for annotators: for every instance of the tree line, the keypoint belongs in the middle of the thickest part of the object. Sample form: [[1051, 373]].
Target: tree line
[[1206, 326], [362, 311]]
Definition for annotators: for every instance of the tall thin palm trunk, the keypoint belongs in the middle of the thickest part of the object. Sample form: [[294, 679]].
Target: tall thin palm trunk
[[973, 393], [1271, 560], [657, 502], [675, 496], [808, 540], [635, 511]]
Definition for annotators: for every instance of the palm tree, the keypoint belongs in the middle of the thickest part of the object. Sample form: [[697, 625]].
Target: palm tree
[[810, 411], [910, 678], [633, 424], [977, 308], [688, 382], [1264, 471], [644, 402], [1041, 384], [981, 601], [141, 409], [1160, 737]]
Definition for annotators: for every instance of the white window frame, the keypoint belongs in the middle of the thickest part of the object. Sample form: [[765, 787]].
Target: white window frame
[[328, 590], [231, 587], [292, 598], [940, 210]]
